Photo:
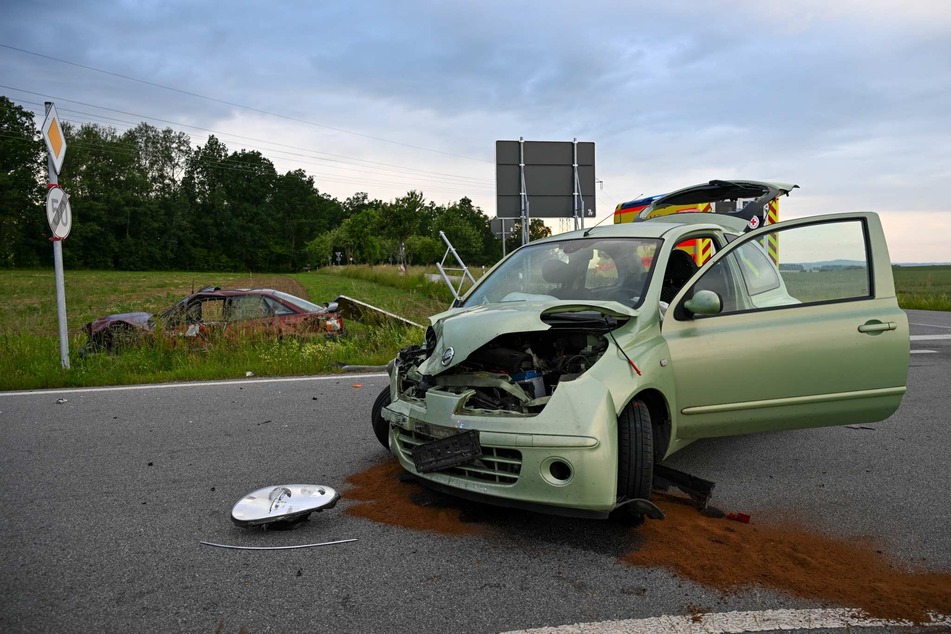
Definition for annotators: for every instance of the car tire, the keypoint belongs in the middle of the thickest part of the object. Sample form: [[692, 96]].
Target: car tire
[[635, 472], [381, 428]]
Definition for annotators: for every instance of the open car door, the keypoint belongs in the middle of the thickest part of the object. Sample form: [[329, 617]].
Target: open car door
[[814, 339]]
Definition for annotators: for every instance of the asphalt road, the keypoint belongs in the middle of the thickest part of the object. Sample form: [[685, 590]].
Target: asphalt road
[[106, 497]]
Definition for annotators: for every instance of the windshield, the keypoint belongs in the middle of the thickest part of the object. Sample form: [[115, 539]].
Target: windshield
[[303, 304], [592, 269]]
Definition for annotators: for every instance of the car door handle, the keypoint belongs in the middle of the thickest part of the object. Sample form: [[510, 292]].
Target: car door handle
[[874, 326]]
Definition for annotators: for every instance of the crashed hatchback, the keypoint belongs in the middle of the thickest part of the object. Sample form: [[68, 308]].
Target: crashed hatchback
[[212, 311], [581, 361]]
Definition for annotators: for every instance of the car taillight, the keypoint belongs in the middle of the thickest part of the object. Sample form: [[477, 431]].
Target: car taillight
[[334, 324]]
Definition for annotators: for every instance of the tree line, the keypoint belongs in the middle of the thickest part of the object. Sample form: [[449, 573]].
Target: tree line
[[147, 199]]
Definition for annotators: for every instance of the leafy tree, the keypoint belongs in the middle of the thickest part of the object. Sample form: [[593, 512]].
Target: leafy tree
[[296, 206], [24, 232], [359, 237], [251, 229], [466, 227], [403, 218], [537, 229], [423, 250], [203, 186], [321, 248], [109, 196]]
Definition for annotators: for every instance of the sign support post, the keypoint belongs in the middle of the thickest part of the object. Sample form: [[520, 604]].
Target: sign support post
[[59, 215], [524, 194]]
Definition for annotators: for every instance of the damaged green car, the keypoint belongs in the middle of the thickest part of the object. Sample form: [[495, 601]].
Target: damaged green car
[[581, 361]]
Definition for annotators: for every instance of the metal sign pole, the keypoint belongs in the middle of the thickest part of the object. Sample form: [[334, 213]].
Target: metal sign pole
[[58, 267], [61, 302], [524, 196], [578, 195], [504, 236]]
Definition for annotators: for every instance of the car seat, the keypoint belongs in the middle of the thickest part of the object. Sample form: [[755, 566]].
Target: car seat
[[680, 268]]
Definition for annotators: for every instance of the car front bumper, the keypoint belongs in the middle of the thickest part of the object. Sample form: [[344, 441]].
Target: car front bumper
[[561, 461]]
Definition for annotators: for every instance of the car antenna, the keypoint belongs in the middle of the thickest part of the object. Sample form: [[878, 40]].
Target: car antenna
[[588, 231]]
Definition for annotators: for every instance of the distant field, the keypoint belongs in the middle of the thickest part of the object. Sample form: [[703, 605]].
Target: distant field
[[923, 287], [29, 342]]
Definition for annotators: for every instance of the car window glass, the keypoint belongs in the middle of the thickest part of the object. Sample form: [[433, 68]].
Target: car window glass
[[211, 310], [758, 271], [601, 271], [247, 307], [275, 307], [809, 264], [825, 262], [596, 269]]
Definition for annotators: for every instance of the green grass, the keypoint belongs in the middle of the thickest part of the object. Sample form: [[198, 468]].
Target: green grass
[[923, 287], [29, 340]]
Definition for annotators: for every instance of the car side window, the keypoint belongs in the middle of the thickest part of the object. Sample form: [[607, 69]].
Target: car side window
[[247, 307], [211, 310], [275, 307], [808, 264]]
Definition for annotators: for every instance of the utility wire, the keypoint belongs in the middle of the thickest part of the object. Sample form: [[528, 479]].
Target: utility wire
[[238, 105], [341, 158]]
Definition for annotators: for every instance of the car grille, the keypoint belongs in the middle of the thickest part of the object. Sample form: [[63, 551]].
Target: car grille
[[498, 464]]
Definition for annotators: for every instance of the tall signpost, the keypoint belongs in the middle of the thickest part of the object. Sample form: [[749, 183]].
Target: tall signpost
[[60, 217], [550, 179]]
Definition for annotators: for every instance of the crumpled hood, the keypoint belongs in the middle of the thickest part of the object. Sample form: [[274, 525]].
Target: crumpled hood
[[468, 329], [136, 319]]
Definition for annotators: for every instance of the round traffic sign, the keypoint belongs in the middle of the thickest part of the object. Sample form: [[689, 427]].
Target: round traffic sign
[[58, 212]]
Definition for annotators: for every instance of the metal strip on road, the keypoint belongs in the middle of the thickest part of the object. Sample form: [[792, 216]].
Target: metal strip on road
[[738, 623], [165, 386]]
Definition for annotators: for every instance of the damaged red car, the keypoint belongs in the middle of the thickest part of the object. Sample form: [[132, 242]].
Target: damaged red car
[[215, 310]]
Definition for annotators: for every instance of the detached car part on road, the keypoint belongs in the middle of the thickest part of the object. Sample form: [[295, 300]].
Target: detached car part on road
[[580, 361], [212, 310]]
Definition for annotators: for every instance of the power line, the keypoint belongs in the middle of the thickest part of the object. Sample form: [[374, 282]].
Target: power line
[[238, 105], [340, 158]]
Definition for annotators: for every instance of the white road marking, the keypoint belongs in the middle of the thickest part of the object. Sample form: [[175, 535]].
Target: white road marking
[[737, 623], [165, 386], [931, 326], [929, 337], [924, 351]]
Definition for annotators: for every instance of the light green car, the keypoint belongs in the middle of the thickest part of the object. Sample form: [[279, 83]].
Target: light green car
[[581, 361]]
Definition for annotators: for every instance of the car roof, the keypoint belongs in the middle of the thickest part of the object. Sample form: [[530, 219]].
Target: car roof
[[656, 228], [229, 292]]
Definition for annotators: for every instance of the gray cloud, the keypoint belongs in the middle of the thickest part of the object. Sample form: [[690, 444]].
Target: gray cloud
[[846, 96]]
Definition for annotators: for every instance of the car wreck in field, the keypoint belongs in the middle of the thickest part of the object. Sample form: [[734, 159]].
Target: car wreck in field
[[581, 361], [212, 311]]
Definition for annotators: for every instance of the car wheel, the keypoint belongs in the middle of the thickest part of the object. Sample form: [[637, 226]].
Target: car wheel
[[381, 428], [635, 460]]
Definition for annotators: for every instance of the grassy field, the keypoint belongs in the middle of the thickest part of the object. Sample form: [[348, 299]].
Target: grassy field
[[923, 287], [29, 341]]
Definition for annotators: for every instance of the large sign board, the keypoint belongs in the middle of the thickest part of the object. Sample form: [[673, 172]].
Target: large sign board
[[558, 179]]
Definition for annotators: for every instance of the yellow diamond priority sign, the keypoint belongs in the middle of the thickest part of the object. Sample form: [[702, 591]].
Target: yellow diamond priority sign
[[55, 141]]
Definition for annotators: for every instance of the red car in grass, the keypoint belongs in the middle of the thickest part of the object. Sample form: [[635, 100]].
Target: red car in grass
[[215, 310]]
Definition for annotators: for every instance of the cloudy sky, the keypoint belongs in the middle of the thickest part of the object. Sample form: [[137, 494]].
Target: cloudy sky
[[850, 99]]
